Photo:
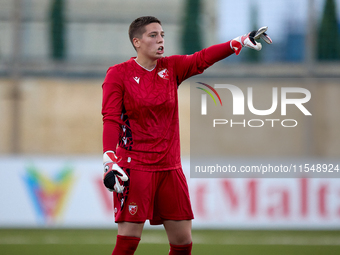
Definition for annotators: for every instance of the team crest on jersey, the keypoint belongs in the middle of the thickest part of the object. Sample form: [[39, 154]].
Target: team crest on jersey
[[133, 208], [164, 73]]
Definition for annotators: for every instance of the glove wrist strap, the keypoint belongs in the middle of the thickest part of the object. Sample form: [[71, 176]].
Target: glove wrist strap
[[110, 156]]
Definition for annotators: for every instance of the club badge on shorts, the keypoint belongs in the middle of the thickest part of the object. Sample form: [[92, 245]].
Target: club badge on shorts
[[133, 208]]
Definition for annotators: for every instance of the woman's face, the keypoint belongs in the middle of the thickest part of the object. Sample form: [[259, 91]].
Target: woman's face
[[151, 45]]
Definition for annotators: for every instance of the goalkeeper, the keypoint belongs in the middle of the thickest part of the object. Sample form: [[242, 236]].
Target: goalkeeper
[[141, 144]]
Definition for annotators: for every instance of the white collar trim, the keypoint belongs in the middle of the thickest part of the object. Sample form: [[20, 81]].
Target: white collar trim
[[144, 67]]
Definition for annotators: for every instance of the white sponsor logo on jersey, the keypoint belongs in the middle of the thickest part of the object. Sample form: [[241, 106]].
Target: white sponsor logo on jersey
[[136, 79]]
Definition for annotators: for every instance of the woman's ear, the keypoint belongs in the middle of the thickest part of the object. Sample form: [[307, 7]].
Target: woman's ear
[[136, 42]]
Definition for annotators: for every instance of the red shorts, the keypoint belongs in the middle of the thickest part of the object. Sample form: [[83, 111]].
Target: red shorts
[[156, 196]]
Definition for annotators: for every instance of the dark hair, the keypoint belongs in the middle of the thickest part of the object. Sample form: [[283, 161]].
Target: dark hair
[[137, 27]]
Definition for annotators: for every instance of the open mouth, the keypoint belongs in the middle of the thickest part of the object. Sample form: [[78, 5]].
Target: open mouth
[[161, 48]]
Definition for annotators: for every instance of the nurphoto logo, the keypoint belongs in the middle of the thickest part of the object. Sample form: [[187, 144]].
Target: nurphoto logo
[[239, 104]]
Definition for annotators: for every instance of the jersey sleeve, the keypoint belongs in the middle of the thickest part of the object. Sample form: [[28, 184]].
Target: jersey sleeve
[[112, 106], [189, 65]]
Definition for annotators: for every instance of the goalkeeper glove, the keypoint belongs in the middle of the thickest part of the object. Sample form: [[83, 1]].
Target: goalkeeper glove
[[114, 176], [248, 40]]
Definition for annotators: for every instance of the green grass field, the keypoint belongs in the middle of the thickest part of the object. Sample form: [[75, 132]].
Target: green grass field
[[95, 241]]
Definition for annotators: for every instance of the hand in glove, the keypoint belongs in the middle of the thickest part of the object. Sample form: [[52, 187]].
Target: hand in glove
[[114, 176], [249, 40]]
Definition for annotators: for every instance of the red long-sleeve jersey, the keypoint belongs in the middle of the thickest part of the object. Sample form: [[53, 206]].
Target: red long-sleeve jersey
[[140, 108]]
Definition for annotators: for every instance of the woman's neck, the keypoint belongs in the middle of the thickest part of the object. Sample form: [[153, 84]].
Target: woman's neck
[[146, 63]]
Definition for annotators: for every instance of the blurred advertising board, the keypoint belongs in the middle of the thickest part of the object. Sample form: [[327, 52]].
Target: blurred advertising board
[[67, 192]]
